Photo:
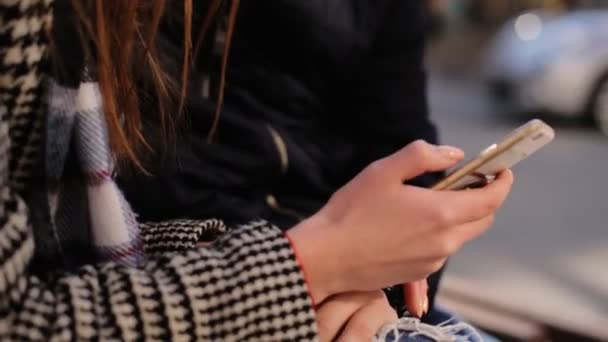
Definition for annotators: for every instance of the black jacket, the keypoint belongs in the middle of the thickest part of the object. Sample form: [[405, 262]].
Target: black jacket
[[317, 89]]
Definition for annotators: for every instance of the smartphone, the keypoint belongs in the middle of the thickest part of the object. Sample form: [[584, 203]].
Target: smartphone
[[517, 146]]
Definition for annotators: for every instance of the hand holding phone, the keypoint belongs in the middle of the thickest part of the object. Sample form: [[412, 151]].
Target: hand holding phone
[[517, 146]]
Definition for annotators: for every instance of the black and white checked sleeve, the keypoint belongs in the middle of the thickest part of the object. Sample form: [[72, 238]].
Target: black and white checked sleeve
[[246, 286]]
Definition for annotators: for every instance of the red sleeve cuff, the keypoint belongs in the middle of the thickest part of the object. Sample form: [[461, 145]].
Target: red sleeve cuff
[[304, 273]]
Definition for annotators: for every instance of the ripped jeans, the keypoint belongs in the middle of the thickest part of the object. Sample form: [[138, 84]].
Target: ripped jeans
[[443, 327]]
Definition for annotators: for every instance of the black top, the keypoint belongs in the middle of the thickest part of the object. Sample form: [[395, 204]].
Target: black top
[[316, 90]]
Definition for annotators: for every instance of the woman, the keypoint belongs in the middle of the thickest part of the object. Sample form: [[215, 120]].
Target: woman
[[77, 265], [315, 93]]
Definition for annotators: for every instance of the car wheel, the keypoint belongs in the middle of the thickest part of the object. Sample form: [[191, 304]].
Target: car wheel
[[600, 106]]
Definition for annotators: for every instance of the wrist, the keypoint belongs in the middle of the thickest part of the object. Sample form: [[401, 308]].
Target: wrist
[[315, 248]]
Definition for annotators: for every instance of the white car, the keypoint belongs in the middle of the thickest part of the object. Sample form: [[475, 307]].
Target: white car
[[557, 64]]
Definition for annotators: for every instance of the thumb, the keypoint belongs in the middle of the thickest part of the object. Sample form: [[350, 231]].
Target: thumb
[[420, 157]]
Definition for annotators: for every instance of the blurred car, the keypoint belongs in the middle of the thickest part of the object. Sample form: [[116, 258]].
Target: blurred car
[[554, 63]]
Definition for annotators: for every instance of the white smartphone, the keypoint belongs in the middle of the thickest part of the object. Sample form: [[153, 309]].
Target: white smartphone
[[517, 146]]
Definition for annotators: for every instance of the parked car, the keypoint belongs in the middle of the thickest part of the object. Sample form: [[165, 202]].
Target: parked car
[[554, 63]]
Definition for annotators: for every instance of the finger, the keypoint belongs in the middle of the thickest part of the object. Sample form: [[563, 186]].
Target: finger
[[415, 295], [475, 204], [420, 157], [367, 321], [424, 290], [473, 230], [333, 314], [451, 240], [411, 296]]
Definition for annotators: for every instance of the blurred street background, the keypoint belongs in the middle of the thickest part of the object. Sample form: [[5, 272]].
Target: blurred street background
[[542, 272]]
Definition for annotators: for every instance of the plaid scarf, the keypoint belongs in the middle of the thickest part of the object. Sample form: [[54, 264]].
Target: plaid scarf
[[76, 123], [77, 134]]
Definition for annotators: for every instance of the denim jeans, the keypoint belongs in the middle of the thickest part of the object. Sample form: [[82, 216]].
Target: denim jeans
[[440, 325]]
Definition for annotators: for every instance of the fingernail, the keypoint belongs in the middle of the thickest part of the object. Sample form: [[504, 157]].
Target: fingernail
[[425, 305], [450, 152], [420, 311], [422, 297]]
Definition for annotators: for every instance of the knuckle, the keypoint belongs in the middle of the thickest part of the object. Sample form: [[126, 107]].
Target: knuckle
[[382, 303], [376, 168], [478, 228], [384, 314], [436, 265], [419, 147], [446, 246], [379, 297], [485, 225], [443, 216], [493, 205], [490, 220]]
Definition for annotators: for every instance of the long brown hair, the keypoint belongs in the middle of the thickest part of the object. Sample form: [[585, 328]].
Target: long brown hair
[[124, 34]]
